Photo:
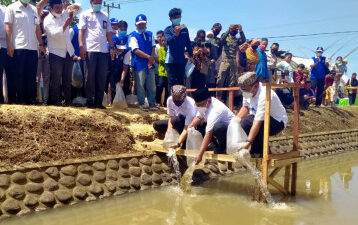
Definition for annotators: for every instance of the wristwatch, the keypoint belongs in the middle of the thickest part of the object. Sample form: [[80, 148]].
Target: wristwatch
[[250, 141]]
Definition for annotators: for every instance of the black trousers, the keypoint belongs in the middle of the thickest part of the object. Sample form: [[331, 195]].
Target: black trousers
[[197, 79], [162, 84], [178, 122], [21, 79], [257, 147], [3, 59], [176, 74], [95, 67], [319, 85], [60, 78], [352, 98], [219, 136]]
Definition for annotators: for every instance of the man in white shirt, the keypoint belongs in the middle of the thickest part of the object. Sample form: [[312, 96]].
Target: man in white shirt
[[214, 117], [252, 113], [61, 51], [95, 31], [23, 38], [181, 112], [3, 56]]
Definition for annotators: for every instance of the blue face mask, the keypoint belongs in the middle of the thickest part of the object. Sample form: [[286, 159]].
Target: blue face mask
[[176, 22], [97, 7], [122, 33], [141, 30]]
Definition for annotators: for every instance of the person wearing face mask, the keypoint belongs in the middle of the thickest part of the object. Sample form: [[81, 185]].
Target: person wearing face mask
[[307, 95], [212, 121], [261, 68], [61, 51], [124, 54], [95, 31], [352, 94], [252, 55], [272, 58], [142, 44], [318, 74], [178, 40], [23, 38], [252, 113], [227, 76], [181, 112]]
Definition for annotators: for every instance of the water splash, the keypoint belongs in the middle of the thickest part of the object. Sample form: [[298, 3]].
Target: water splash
[[173, 161], [187, 179], [244, 157]]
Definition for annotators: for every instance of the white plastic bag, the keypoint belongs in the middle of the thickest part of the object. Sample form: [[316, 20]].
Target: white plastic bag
[[77, 77], [119, 101], [189, 68], [132, 99], [236, 136], [105, 100], [171, 138], [194, 139]]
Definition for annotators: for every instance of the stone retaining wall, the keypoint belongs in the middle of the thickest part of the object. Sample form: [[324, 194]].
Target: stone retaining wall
[[36, 187]]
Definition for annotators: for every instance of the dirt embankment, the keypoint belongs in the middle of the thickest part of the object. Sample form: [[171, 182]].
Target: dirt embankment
[[42, 134]]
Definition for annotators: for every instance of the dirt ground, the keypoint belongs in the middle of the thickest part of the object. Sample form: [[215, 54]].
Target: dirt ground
[[44, 133]]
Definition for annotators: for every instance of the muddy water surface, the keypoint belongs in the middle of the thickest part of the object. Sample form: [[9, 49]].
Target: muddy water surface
[[327, 194]]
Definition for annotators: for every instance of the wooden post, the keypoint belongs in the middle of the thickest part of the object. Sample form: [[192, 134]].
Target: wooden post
[[296, 117], [286, 184], [266, 133], [231, 100]]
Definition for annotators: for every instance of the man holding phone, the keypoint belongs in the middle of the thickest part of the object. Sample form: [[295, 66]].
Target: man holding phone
[[178, 41], [228, 68]]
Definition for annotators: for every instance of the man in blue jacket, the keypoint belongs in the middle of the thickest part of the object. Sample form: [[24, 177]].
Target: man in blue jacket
[[178, 41], [142, 44], [318, 74]]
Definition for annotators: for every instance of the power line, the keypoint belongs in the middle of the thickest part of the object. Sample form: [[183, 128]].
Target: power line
[[316, 34]]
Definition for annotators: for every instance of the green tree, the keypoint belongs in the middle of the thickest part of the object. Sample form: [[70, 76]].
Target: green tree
[[5, 2]]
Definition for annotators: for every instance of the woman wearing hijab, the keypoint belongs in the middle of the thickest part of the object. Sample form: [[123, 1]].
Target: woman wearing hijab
[[261, 68], [201, 54], [252, 55]]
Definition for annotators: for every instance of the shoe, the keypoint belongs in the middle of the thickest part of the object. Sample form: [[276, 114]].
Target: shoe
[[100, 107], [154, 108], [143, 108]]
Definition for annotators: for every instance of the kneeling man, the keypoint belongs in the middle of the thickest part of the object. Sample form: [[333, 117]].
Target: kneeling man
[[252, 113]]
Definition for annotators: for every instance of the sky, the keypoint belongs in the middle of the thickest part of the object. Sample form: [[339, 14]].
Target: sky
[[260, 18]]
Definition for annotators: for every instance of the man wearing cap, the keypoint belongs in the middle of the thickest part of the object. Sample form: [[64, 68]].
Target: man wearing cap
[[61, 51], [181, 112], [23, 38], [142, 44], [252, 113], [120, 64], [318, 74], [212, 120], [178, 42], [95, 32]]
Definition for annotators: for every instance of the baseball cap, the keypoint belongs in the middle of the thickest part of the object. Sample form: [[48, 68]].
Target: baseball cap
[[141, 18], [319, 49], [113, 20]]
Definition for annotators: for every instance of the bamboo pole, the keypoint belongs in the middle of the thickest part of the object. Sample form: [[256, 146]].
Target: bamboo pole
[[296, 121], [266, 133], [231, 100]]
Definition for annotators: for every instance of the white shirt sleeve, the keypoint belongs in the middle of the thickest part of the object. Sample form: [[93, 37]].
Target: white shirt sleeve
[[9, 15], [260, 111], [133, 43], [109, 27], [72, 33], [52, 29], [82, 24], [126, 58]]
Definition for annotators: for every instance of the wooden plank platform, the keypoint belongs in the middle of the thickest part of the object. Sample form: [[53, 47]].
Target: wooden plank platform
[[272, 162]]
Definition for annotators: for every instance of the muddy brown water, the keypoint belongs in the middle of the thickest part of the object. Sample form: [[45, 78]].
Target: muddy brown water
[[327, 194]]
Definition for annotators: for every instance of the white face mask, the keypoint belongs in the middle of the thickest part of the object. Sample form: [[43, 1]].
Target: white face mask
[[202, 110], [56, 14], [319, 54], [247, 94]]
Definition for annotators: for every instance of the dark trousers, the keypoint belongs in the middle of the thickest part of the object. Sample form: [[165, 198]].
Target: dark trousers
[[219, 136], [352, 98], [21, 79], [176, 74], [257, 145], [60, 78], [197, 79], [178, 122], [162, 84], [319, 85], [3, 59], [95, 68]]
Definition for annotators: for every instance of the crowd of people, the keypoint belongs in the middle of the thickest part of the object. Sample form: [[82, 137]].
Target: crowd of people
[[40, 45]]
